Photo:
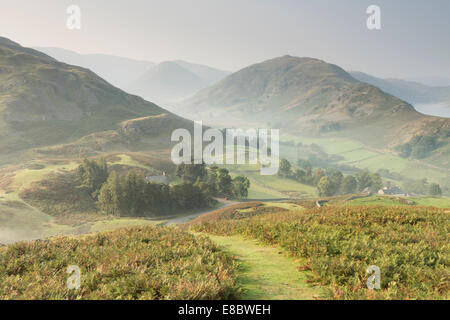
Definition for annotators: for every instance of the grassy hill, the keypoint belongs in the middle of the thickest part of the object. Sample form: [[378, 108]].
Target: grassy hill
[[337, 244], [311, 97], [118, 71], [150, 263], [44, 102]]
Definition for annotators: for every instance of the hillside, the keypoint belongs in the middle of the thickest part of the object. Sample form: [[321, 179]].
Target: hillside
[[311, 97], [148, 263], [167, 81], [412, 92], [207, 74], [411, 246], [44, 102], [118, 71]]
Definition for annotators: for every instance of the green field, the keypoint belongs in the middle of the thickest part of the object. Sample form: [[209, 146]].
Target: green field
[[360, 156], [271, 187]]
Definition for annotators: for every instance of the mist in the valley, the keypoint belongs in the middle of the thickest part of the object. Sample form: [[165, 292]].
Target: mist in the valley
[[434, 109]]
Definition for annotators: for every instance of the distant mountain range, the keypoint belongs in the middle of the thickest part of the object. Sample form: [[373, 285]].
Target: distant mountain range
[[44, 102], [311, 97], [432, 81], [171, 81], [412, 92], [116, 70], [163, 83]]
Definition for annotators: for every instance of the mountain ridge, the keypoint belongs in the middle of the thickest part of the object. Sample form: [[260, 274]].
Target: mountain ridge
[[119, 71], [310, 96], [410, 91], [44, 102], [166, 82]]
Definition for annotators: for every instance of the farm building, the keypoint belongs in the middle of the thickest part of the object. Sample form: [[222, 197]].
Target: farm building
[[158, 179]]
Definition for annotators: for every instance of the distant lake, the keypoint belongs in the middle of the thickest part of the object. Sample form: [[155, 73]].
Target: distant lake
[[434, 109]]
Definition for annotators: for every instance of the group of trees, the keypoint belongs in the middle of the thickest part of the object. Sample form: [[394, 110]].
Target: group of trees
[[133, 196], [331, 181], [305, 174], [335, 183], [215, 181], [422, 187], [419, 147], [91, 175]]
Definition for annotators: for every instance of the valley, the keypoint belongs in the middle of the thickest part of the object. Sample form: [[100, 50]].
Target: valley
[[87, 178]]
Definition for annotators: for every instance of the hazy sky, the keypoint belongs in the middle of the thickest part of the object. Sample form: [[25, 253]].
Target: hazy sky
[[231, 34]]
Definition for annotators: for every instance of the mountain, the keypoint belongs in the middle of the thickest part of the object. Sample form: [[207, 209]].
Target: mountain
[[413, 92], [162, 83], [116, 70], [207, 74], [311, 97], [45, 102], [166, 82], [433, 81]]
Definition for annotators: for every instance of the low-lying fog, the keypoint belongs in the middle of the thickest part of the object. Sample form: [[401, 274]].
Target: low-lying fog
[[434, 109]]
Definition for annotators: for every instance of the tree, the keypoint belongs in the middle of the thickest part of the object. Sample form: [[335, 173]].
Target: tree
[[349, 185], [417, 186], [317, 175], [376, 183], [299, 175], [110, 199], [211, 181], [187, 196], [435, 189], [336, 178], [92, 175], [325, 187], [134, 199], [189, 173], [363, 179], [157, 199], [224, 183], [285, 168], [240, 187]]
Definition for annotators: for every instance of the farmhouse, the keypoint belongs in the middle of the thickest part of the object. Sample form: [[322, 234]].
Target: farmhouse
[[158, 179], [391, 191]]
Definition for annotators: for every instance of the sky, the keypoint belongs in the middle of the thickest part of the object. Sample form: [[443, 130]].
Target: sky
[[414, 40]]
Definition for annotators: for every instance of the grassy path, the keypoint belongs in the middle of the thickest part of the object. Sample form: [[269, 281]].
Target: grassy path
[[266, 273]]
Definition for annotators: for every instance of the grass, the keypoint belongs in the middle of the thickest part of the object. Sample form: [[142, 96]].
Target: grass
[[127, 160], [271, 187], [266, 273], [438, 202], [360, 156], [129, 264], [42, 218], [338, 244]]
